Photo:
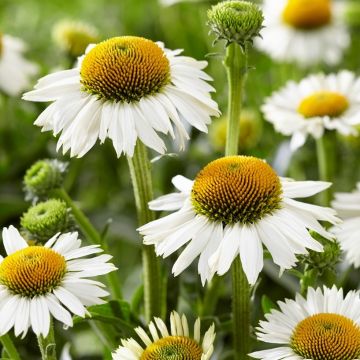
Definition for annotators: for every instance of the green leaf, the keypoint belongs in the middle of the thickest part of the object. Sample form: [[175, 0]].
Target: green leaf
[[116, 313]]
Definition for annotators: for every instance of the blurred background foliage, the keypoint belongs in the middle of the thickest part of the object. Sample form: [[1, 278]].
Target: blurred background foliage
[[100, 183]]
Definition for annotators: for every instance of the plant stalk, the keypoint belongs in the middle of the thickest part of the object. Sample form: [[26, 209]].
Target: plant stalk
[[236, 67], [324, 156], [9, 347], [47, 344], [140, 172]]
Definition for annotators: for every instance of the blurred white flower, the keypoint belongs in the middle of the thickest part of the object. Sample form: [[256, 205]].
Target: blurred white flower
[[304, 31], [348, 232], [15, 70], [317, 103]]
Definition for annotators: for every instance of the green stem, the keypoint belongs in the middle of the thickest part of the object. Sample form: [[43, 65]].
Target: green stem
[[211, 296], [93, 236], [48, 345], [9, 347], [236, 66], [241, 312], [85, 225], [140, 172], [323, 148]]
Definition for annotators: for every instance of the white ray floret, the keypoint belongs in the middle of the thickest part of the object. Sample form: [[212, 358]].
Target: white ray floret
[[88, 105], [162, 340], [283, 230], [316, 104], [322, 42], [348, 232], [325, 324], [39, 282], [15, 71]]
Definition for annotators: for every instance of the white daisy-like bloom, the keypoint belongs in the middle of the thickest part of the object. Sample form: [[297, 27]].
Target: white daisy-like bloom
[[325, 325], [37, 282], [307, 32], [236, 205], [125, 88], [15, 70], [164, 343], [348, 232], [318, 103]]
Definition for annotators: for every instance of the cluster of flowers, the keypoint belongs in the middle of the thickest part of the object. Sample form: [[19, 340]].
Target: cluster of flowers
[[131, 89]]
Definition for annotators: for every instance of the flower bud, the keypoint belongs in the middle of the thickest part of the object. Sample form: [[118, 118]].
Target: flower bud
[[235, 21], [44, 220], [322, 261], [42, 177]]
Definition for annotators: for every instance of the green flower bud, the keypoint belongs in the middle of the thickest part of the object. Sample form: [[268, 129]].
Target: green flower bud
[[250, 131], [352, 13], [235, 21], [42, 177], [44, 220], [74, 36], [322, 261]]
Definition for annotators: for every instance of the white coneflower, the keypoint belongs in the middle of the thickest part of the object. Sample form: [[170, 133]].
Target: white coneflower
[[15, 70], [304, 31], [325, 325], [348, 233], [317, 103], [125, 88], [164, 343], [73, 36], [235, 205], [37, 282]]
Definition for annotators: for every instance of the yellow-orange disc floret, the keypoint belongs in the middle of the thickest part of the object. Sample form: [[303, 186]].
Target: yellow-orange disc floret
[[32, 271], [327, 337], [173, 347], [125, 68], [307, 14], [236, 189], [323, 103]]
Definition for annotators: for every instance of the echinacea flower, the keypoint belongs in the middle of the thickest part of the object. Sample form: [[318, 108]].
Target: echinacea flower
[[125, 88], [15, 70], [325, 325], [73, 36], [37, 282], [348, 232], [235, 205], [164, 343], [307, 32], [317, 103]]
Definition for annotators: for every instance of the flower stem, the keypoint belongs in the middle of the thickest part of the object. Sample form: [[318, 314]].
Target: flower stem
[[9, 347], [241, 309], [236, 66], [93, 236], [211, 296], [324, 153], [47, 344], [140, 172]]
